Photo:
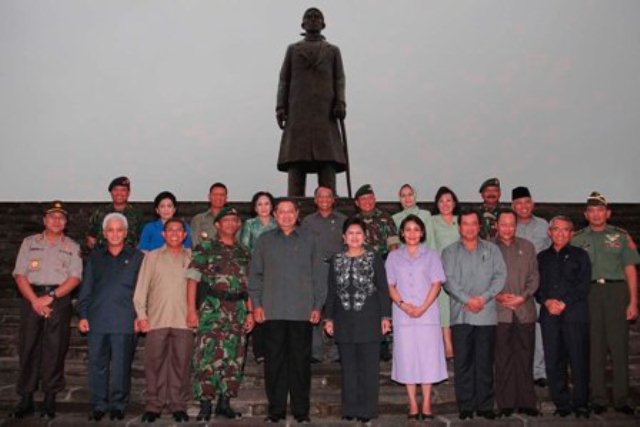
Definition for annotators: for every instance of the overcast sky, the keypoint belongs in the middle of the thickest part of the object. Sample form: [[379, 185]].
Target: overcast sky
[[179, 94]]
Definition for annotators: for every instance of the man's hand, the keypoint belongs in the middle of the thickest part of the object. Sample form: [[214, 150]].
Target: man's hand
[[328, 327], [339, 112], [41, 307], [83, 326], [281, 118], [249, 323], [554, 306], [632, 311], [314, 318], [143, 326], [258, 314], [510, 301], [386, 326], [475, 304], [192, 318]]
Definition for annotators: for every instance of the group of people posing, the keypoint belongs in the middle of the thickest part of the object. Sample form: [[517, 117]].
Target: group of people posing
[[472, 285]]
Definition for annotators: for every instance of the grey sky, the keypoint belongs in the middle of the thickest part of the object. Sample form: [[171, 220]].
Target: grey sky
[[179, 94]]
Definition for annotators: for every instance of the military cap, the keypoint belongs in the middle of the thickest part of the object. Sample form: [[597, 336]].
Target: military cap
[[491, 182], [225, 212], [520, 192], [596, 199], [365, 189], [312, 9], [56, 206], [121, 180]]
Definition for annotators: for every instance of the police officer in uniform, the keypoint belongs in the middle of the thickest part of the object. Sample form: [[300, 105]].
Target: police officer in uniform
[[47, 269], [613, 301], [223, 317]]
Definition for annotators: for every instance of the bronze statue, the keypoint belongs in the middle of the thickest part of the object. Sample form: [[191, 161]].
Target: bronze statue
[[310, 103]]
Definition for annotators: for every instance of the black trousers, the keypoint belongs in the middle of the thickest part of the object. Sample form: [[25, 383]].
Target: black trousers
[[297, 178], [258, 341], [287, 366], [566, 344], [360, 378], [515, 344], [43, 346], [474, 347]]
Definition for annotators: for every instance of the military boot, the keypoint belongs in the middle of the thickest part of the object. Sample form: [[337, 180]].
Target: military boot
[[205, 410], [224, 408], [24, 408]]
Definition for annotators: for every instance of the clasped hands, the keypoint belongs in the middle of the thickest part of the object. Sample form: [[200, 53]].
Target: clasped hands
[[510, 301], [475, 304], [42, 306]]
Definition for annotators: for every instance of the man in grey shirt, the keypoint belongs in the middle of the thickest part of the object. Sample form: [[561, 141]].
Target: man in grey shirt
[[476, 273], [287, 297], [325, 226], [534, 229]]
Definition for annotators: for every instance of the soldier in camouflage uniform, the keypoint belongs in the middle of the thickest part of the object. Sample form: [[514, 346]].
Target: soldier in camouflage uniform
[[381, 236], [490, 192], [120, 188], [381, 232], [613, 302], [222, 315]]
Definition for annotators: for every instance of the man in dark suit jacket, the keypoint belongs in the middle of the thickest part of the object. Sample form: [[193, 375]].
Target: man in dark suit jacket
[[565, 273]]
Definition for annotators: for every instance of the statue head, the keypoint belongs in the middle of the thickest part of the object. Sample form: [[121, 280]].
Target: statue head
[[313, 21]]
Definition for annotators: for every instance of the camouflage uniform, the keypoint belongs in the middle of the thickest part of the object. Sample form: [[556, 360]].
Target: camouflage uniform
[[219, 353], [488, 219], [134, 219], [381, 232]]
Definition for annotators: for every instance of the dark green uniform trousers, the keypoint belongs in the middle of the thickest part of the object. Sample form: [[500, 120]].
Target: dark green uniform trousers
[[609, 332]]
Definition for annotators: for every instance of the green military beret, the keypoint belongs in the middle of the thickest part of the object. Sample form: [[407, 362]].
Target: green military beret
[[365, 189], [56, 206], [491, 182], [596, 199], [224, 212]]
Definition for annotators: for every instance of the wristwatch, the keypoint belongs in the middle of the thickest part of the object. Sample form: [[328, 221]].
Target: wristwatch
[[52, 294]]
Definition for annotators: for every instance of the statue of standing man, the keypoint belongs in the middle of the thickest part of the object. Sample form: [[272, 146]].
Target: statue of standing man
[[310, 103]]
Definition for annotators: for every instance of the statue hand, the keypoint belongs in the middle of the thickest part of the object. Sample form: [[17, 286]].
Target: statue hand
[[339, 112], [281, 117]]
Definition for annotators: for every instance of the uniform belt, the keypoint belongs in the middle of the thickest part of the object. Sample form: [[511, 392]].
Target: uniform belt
[[603, 281], [229, 296], [43, 289]]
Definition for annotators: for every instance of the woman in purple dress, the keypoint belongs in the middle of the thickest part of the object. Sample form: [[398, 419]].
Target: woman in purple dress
[[415, 274]]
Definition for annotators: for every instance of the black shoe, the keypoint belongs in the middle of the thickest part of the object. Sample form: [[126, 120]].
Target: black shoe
[[464, 415], [224, 408], [96, 415], [273, 419], [505, 412], [415, 416], [180, 416], [205, 410], [347, 418], [561, 413], [49, 406], [582, 412], [24, 408], [364, 419], [540, 382], [303, 420], [488, 414], [149, 417], [116, 414], [598, 409], [424, 416], [626, 409], [529, 412]]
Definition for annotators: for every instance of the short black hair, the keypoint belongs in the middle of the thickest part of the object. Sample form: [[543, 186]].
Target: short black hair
[[284, 200], [417, 220], [506, 211], [254, 201], [441, 192], [218, 185], [353, 220], [470, 211], [165, 195]]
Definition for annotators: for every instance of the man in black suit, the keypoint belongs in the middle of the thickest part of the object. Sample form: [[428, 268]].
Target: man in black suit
[[565, 273]]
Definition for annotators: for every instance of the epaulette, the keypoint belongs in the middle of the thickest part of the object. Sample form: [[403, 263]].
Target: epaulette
[[579, 232], [619, 229]]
